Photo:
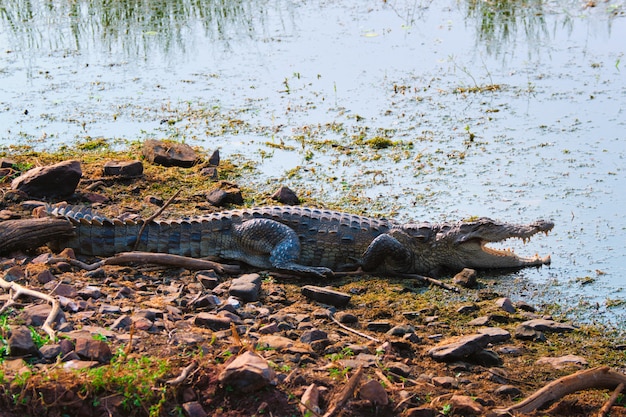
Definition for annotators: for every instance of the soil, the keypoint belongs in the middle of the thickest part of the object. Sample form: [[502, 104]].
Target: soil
[[134, 381]]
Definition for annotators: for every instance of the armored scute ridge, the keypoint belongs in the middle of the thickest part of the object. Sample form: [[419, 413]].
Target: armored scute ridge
[[307, 240]]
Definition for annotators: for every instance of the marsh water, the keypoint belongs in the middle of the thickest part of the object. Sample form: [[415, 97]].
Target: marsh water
[[424, 110]]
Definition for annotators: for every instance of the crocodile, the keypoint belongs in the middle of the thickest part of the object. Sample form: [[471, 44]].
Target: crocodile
[[307, 240]]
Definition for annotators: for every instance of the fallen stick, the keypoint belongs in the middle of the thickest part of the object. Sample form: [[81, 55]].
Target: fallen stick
[[183, 375], [165, 259], [18, 291], [606, 407], [154, 216], [601, 377], [343, 326], [346, 393]]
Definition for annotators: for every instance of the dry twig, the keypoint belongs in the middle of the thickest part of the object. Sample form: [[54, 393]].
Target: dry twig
[[183, 375], [606, 407], [154, 216], [19, 290], [346, 393], [601, 377]]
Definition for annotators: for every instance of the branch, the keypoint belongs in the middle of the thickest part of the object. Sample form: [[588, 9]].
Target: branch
[[601, 377], [18, 291], [346, 393], [154, 216], [606, 408]]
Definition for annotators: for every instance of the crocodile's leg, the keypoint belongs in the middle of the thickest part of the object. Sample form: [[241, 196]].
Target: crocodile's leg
[[268, 243], [386, 249]]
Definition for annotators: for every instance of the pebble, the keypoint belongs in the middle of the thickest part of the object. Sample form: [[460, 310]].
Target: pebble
[[326, 295], [248, 372]]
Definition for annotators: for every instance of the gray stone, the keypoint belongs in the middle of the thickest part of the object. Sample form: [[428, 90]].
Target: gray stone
[[225, 193], [485, 357], [564, 362], [326, 295], [15, 273], [544, 325], [460, 348], [248, 372], [312, 335], [445, 382], [496, 334], [479, 321], [58, 180], [50, 352], [379, 326], [36, 315], [246, 287], [505, 304]]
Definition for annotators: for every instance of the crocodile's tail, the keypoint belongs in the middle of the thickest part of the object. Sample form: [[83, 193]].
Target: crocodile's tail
[[98, 235]]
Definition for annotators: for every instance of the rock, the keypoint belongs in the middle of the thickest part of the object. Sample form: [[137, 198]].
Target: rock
[[127, 169], [464, 405], [485, 357], [445, 382], [275, 342], [310, 401], [58, 180], [212, 321], [123, 322], [467, 309], [460, 348], [479, 321], [21, 342], [214, 159], [544, 325], [65, 290], [510, 350], [466, 278], [400, 330], [93, 350], [248, 372], [210, 172], [246, 287], [399, 368], [285, 195], [505, 304], [194, 409], [36, 315], [524, 306], [374, 392], [208, 279], [225, 193], [169, 153], [496, 334], [527, 333], [45, 276], [312, 335], [509, 391], [76, 364], [346, 318], [90, 291], [564, 361], [326, 295], [379, 326], [15, 273], [50, 352]]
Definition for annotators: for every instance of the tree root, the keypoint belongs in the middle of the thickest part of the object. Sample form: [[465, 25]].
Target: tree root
[[19, 290], [601, 377]]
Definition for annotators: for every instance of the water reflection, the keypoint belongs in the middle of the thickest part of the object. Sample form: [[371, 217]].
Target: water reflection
[[132, 29], [143, 29]]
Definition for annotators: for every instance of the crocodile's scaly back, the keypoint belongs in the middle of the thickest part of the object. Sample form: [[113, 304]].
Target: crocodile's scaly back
[[328, 238]]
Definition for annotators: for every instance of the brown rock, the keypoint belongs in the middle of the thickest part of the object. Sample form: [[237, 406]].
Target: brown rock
[[194, 409], [225, 193], [466, 278], [128, 169], [326, 295], [169, 153], [373, 392], [93, 350], [310, 400], [564, 361], [460, 348], [248, 372], [21, 342], [286, 196], [58, 180]]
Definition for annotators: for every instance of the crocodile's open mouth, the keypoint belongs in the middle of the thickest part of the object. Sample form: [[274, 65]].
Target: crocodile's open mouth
[[509, 256]]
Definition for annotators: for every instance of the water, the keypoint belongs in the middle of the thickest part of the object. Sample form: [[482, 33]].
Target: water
[[514, 111]]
